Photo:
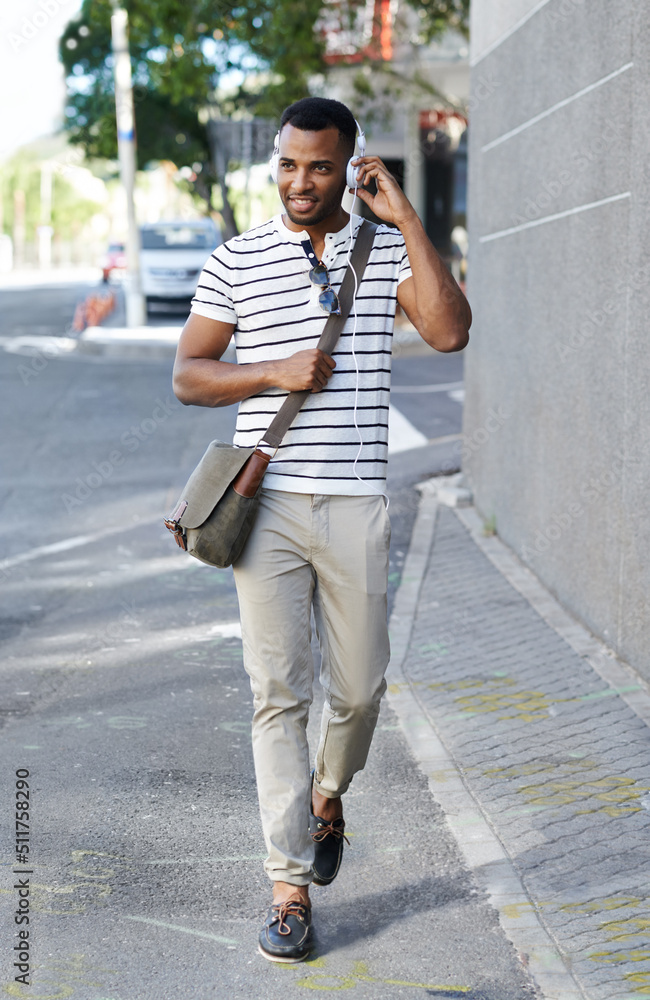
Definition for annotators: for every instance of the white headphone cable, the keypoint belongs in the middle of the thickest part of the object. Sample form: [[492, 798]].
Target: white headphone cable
[[356, 363]]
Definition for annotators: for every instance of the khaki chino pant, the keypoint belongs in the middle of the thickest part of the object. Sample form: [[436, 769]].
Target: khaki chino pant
[[329, 552]]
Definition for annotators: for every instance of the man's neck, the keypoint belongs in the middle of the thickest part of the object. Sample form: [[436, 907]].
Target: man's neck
[[332, 224]]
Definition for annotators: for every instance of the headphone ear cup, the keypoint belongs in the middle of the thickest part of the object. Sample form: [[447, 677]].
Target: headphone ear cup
[[351, 174], [274, 162]]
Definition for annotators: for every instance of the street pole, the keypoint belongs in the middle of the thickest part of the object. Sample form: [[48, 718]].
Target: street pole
[[135, 305], [45, 228]]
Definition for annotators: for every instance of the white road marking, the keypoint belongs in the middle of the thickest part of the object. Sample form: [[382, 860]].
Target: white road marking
[[438, 387], [228, 630], [402, 435], [184, 930], [72, 543], [218, 859], [35, 346]]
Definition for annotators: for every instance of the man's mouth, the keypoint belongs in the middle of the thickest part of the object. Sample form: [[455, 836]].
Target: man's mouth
[[302, 204]]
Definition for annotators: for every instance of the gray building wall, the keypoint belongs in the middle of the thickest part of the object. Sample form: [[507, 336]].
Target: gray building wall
[[556, 439]]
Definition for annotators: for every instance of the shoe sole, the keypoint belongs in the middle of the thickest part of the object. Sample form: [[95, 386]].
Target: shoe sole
[[317, 881], [280, 958]]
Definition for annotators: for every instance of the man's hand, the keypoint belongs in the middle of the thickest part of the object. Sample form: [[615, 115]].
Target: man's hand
[[389, 203], [203, 379], [310, 369], [431, 299]]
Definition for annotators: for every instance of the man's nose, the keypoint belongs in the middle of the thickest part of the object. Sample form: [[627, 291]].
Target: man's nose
[[302, 179]]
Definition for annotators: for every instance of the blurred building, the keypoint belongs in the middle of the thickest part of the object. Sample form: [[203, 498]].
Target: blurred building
[[410, 98], [557, 405], [412, 104]]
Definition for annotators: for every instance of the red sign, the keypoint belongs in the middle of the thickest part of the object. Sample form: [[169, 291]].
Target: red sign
[[441, 118], [356, 30]]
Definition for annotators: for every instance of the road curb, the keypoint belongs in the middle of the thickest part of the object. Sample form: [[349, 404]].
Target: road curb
[[141, 343], [480, 846]]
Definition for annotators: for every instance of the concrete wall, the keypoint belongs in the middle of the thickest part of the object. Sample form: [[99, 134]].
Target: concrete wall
[[557, 405]]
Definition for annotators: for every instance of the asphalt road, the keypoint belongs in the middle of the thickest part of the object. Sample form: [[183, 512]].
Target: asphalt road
[[123, 695]]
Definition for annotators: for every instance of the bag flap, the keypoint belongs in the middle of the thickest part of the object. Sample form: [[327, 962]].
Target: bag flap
[[208, 483]]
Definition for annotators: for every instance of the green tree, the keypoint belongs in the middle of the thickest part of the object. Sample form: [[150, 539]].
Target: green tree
[[71, 211], [264, 53], [180, 51]]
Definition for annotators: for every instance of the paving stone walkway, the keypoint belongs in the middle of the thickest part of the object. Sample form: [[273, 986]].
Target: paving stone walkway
[[554, 758]]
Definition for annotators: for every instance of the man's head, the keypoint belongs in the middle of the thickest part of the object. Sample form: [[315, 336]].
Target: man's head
[[313, 114], [316, 140]]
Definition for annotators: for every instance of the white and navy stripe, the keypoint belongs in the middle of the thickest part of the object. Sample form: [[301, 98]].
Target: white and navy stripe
[[259, 282]]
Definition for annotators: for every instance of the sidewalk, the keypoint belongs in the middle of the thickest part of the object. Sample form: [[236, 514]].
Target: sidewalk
[[536, 744], [155, 342]]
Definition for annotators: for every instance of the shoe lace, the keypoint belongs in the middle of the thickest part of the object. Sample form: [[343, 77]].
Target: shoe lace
[[288, 907], [325, 829]]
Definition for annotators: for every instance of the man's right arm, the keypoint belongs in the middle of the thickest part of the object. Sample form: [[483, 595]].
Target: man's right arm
[[202, 378]]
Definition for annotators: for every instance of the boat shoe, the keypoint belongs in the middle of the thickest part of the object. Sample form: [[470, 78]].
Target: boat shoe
[[286, 934], [328, 840]]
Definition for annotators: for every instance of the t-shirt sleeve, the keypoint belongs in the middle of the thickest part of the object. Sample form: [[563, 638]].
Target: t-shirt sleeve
[[214, 292], [404, 268]]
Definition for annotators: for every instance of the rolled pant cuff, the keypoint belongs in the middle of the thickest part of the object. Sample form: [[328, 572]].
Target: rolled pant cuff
[[326, 793], [290, 877]]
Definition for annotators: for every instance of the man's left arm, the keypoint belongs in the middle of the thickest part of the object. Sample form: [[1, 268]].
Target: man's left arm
[[430, 298]]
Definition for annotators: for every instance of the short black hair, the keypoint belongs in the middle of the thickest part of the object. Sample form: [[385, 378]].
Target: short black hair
[[312, 114]]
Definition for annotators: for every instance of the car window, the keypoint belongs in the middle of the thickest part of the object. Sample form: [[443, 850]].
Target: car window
[[178, 238]]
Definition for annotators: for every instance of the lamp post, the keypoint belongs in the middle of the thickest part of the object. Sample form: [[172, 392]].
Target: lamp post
[[135, 305]]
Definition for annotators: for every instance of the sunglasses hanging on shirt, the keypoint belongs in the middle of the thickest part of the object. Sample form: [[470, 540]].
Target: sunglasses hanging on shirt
[[328, 299]]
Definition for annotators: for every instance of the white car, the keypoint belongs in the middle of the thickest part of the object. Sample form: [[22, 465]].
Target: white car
[[172, 257]]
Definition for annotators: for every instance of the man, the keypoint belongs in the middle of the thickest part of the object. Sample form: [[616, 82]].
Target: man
[[321, 535]]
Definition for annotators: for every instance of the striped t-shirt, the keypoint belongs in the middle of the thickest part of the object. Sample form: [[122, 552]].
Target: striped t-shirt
[[259, 281]]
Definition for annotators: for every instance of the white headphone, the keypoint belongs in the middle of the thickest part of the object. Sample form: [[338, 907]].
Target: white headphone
[[350, 171]]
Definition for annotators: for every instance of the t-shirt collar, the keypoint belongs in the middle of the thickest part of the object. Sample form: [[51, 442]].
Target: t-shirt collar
[[290, 236]]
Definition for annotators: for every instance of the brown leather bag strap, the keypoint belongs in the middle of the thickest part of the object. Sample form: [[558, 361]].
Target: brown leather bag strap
[[330, 335]]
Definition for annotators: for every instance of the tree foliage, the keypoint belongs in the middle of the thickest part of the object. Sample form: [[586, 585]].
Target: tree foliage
[[71, 211], [261, 53], [438, 15]]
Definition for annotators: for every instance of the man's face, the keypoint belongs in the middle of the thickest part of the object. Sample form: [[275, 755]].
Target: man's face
[[311, 174]]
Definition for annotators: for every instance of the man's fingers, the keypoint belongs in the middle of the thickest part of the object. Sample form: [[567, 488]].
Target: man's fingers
[[322, 372], [310, 369]]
